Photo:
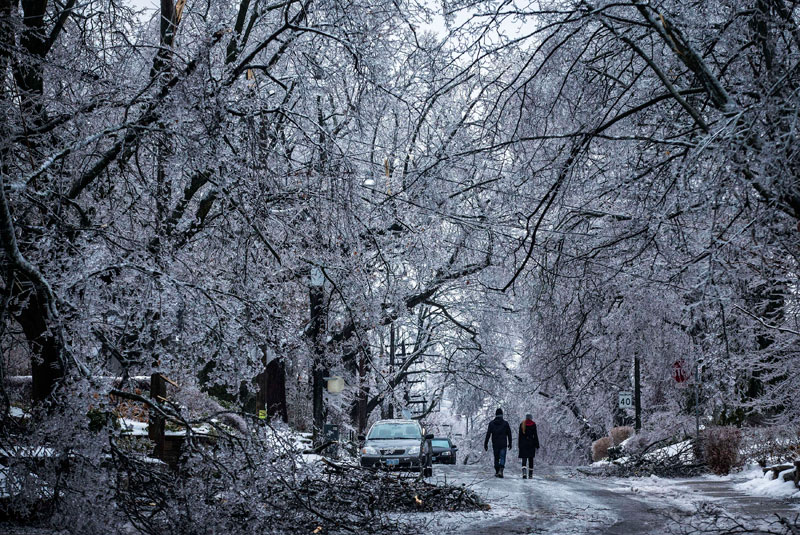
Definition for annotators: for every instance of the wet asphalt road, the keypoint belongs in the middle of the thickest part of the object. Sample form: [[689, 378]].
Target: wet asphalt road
[[559, 500]]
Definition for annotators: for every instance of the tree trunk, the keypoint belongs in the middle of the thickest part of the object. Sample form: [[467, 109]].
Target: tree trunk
[[272, 390], [359, 409], [156, 425], [36, 310], [318, 371]]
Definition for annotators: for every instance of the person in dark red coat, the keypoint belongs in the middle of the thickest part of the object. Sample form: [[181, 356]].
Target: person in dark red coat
[[528, 444]]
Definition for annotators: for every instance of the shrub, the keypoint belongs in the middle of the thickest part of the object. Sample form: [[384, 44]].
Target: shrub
[[620, 434], [720, 448], [600, 448], [776, 444]]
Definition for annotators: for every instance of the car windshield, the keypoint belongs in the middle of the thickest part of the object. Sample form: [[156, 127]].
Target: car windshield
[[439, 443], [390, 431]]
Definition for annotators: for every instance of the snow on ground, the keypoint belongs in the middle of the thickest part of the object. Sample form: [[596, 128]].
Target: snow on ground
[[136, 428], [760, 484], [560, 501], [552, 502], [16, 412], [680, 450], [282, 438], [133, 427], [750, 481], [686, 493], [653, 487]]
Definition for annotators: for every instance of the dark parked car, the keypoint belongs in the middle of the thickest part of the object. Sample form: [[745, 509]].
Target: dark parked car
[[398, 445], [444, 451]]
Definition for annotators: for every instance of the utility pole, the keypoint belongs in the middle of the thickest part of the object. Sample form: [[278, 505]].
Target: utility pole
[[390, 410], [637, 392]]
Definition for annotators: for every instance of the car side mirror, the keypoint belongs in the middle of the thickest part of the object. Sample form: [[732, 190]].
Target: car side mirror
[[455, 448], [361, 438], [429, 436]]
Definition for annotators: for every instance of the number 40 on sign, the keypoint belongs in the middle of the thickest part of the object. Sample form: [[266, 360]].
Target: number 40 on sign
[[625, 400]]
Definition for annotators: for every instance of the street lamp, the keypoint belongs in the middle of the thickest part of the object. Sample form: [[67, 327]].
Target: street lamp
[[335, 384]]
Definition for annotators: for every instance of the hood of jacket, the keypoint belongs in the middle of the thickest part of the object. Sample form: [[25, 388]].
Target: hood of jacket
[[526, 424]]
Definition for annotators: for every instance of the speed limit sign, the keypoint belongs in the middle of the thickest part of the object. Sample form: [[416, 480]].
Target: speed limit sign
[[625, 400]]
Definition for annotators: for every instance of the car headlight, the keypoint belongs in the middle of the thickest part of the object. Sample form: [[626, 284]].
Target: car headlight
[[445, 454], [413, 450], [369, 450]]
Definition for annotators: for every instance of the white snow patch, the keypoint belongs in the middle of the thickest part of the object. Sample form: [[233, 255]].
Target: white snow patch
[[665, 490], [624, 443], [133, 427], [136, 428], [682, 450], [311, 458], [764, 485], [204, 429], [16, 412]]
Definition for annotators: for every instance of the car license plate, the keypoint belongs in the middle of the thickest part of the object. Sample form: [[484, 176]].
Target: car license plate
[[390, 462]]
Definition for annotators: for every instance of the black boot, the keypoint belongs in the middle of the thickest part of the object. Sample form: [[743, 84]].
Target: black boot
[[530, 473], [501, 471], [497, 472], [524, 473]]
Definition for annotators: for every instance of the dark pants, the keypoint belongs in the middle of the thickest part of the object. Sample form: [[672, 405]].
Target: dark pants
[[530, 462], [499, 457]]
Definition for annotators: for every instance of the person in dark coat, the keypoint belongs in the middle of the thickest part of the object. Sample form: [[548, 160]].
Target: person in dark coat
[[500, 432], [528, 444]]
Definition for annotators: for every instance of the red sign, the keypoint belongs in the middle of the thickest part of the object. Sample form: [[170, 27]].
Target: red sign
[[680, 372]]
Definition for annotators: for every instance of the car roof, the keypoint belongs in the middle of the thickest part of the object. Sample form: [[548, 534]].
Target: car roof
[[396, 421]]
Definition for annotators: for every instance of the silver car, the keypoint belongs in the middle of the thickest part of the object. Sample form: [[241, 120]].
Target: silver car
[[398, 445]]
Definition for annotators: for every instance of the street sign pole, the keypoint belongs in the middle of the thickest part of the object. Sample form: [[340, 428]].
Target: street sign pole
[[625, 400]]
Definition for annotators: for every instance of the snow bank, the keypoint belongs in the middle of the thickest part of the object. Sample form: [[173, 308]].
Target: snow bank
[[760, 484]]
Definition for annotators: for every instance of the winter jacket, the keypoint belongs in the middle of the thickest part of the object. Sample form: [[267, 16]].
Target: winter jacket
[[500, 432], [528, 439]]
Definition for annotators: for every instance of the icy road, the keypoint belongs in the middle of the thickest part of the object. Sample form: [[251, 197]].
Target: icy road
[[562, 501]]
